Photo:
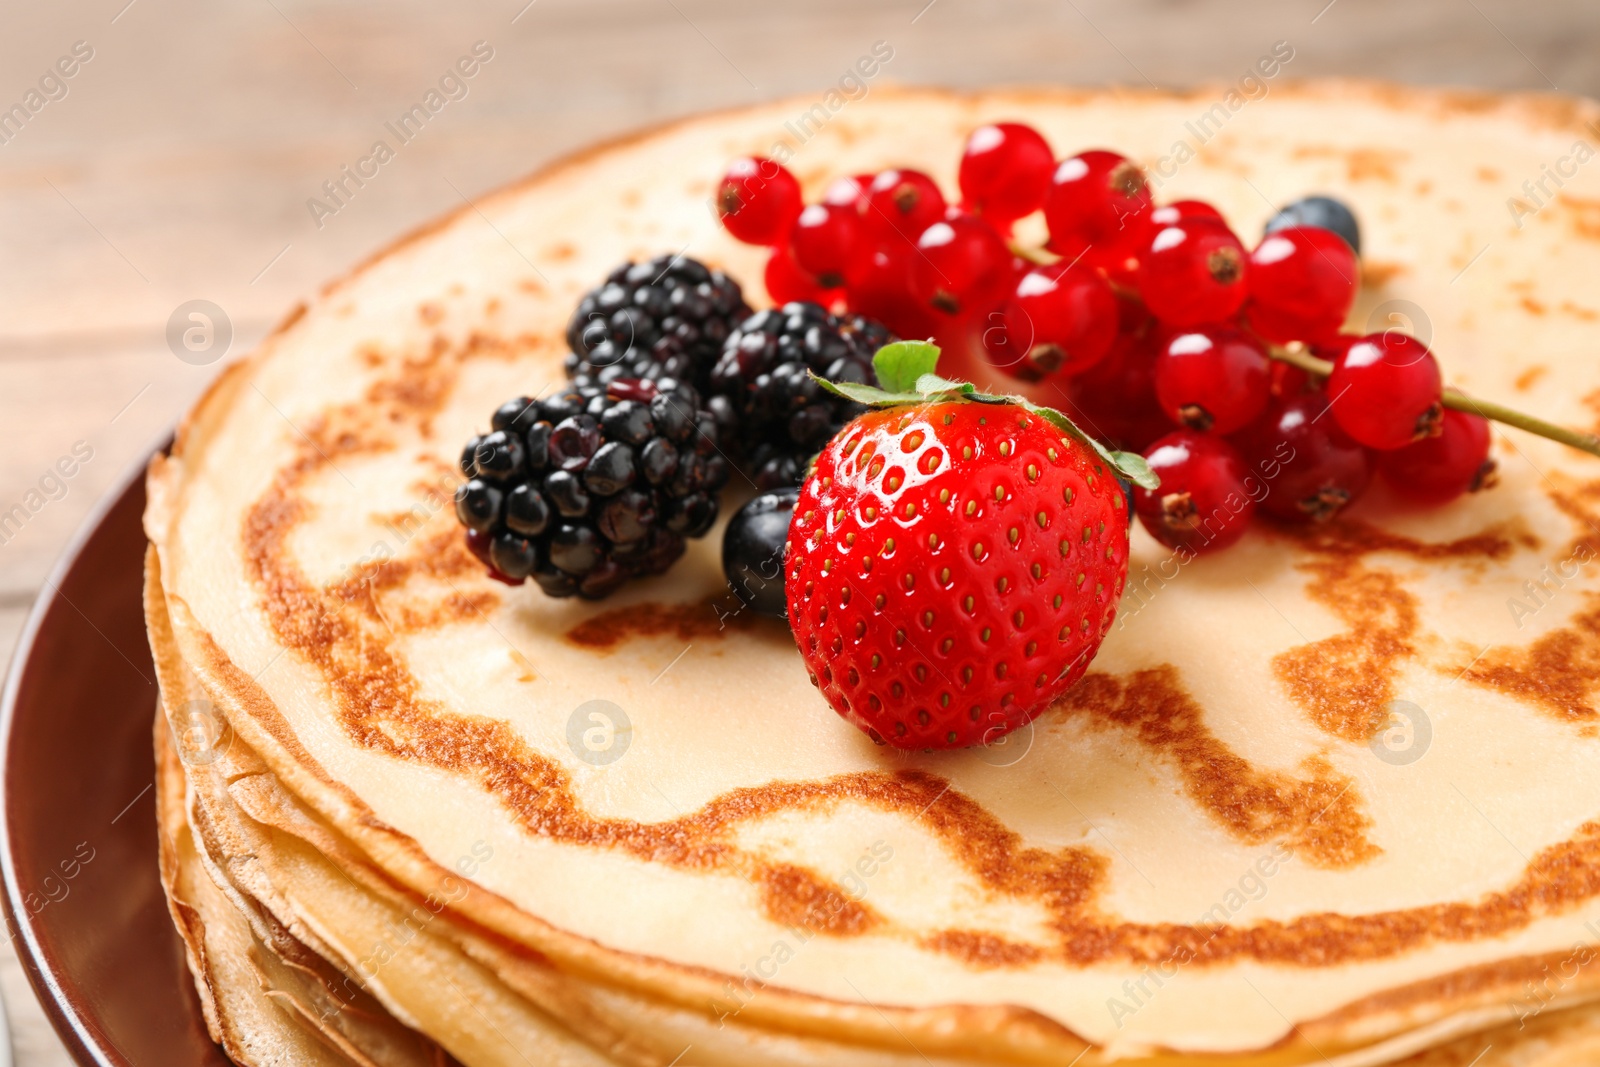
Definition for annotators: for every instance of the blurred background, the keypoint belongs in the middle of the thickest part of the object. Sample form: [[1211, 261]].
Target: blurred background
[[176, 161]]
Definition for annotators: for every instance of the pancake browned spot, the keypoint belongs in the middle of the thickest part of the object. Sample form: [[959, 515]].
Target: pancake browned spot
[[607, 629], [1583, 213], [1361, 164], [1319, 817], [1345, 682], [1560, 670], [982, 950], [793, 896]]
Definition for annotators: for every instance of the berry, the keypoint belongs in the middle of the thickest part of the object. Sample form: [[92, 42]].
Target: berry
[[900, 205], [951, 569], [962, 262], [764, 375], [752, 550], [1094, 198], [1183, 210], [664, 318], [849, 191], [786, 281], [1193, 272], [824, 241], [1386, 390], [1302, 283], [583, 490], [1060, 318], [1438, 469], [1005, 171], [1311, 468], [1205, 500], [1323, 212], [1216, 379], [758, 200], [879, 286], [1116, 398]]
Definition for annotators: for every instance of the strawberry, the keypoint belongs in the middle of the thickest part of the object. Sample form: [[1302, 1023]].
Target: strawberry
[[955, 559]]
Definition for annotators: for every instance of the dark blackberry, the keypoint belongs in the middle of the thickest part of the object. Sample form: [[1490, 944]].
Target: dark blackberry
[[784, 417], [663, 318], [584, 490]]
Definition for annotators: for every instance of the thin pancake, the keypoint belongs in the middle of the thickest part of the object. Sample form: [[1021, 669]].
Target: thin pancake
[[1203, 850]]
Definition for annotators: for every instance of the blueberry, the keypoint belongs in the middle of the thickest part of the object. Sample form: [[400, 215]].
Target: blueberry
[[1323, 212], [1127, 496], [753, 547]]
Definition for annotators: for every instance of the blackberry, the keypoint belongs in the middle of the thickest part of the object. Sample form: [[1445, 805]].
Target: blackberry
[[784, 417], [586, 489], [664, 318]]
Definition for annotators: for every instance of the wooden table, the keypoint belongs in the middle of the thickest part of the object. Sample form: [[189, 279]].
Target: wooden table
[[178, 163]]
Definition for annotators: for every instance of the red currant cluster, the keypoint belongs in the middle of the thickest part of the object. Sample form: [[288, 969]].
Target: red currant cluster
[[1224, 365]]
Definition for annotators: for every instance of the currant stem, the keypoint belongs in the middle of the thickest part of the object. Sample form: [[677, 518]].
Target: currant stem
[[1455, 398]]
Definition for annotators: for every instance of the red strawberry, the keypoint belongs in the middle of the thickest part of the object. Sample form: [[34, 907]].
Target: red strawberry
[[953, 564]]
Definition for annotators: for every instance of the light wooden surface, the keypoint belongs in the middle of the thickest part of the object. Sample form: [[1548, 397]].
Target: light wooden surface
[[178, 164]]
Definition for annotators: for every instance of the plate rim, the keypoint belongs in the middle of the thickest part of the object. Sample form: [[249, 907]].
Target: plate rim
[[85, 1040]]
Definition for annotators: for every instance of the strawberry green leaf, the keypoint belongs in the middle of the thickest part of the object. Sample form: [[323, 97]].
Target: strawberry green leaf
[[905, 371], [931, 385], [899, 364], [1130, 465], [869, 395]]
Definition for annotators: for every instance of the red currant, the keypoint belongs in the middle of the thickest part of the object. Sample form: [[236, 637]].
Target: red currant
[[1059, 318], [1182, 211], [963, 261], [1302, 283], [1288, 380], [786, 281], [1094, 197], [849, 191], [1005, 171], [1311, 468], [758, 200], [879, 286], [824, 242], [1115, 400], [1216, 379], [1207, 494], [1193, 272], [901, 204], [1438, 469], [1386, 390]]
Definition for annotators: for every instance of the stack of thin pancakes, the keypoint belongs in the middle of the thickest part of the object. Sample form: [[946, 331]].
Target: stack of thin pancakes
[[1328, 795]]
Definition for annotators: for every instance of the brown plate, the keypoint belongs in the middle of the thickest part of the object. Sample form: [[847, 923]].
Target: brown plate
[[78, 838]]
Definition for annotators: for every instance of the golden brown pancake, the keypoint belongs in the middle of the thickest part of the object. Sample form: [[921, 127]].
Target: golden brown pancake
[[1327, 794]]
